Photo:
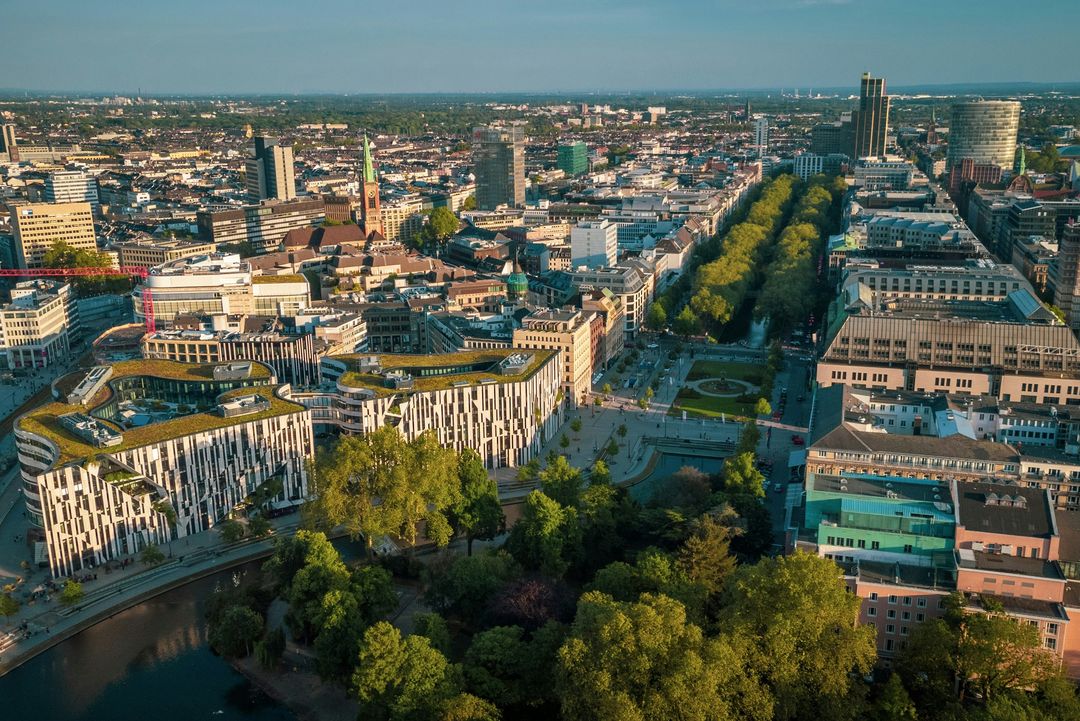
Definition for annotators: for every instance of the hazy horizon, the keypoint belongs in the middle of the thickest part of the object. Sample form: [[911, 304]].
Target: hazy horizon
[[337, 47]]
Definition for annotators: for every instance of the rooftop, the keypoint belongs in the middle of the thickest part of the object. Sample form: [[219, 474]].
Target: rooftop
[[1005, 509], [466, 367], [45, 420], [1008, 563]]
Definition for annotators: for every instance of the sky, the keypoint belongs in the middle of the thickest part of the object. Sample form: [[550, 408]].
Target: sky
[[405, 46]]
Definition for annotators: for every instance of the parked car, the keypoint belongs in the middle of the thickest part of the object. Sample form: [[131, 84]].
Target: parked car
[[778, 487], [798, 440]]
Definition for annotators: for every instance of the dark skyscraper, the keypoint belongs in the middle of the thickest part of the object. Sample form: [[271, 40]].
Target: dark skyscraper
[[499, 165], [871, 119]]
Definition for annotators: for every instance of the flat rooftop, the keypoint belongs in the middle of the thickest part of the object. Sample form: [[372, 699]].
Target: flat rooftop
[[478, 366], [45, 420]]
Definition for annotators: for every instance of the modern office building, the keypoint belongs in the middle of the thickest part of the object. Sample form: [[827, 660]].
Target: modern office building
[[594, 244], [39, 226], [219, 283], [1065, 275], [39, 324], [269, 172], [155, 451], [628, 284], [263, 226], [570, 332], [836, 138], [150, 251], [984, 131], [503, 404], [292, 357], [871, 118], [884, 174], [72, 186], [573, 158], [499, 166]]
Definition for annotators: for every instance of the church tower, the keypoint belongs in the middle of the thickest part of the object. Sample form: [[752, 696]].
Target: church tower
[[370, 212]]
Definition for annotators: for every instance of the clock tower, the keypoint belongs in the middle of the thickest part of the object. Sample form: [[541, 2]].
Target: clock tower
[[370, 212]]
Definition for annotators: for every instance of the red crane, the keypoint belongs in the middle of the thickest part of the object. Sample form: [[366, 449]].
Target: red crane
[[136, 271]]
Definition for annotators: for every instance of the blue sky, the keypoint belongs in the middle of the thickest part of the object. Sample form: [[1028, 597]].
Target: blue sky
[[291, 46]]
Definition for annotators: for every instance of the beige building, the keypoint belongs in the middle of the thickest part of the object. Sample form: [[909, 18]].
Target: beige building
[[609, 307], [263, 226], [148, 252], [570, 333], [40, 225], [37, 326]]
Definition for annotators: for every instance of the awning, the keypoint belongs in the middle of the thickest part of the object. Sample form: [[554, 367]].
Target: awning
[[796, 458]]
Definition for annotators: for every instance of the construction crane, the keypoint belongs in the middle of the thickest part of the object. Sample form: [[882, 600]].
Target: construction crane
[[135, 271]]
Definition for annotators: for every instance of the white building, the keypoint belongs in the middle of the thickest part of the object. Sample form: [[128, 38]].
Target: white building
[[173, 450], [219, 283], [502, 403], [37, 326], [594, 244], [761, 134], [808, 165], [72, 186]]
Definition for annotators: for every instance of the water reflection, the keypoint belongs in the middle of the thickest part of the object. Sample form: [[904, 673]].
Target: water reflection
[[667, 466], [149, 662]]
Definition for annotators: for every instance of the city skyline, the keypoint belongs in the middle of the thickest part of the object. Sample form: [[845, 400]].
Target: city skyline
[[418, 49]]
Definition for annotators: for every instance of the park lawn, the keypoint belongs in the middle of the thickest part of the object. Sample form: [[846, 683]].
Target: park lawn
[[709, 406], [747, 372]]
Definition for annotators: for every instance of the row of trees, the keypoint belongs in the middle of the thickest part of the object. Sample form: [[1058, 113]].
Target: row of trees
[[721, 286], [62, 255], [791, 283]]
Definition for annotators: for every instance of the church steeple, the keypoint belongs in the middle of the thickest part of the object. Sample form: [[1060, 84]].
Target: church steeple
[[370, 212]]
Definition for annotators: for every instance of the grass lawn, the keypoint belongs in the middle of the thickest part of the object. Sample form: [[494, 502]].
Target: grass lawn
[[718, 369], [702, 406]]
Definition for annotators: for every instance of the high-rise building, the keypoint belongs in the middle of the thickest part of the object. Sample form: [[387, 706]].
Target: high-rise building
[[871, 118], [499, 165], [761, 134], [71, 186], [41, 225], [573, 158], [270, 172], [594, 244], [985, 131], [263, 226], [36, 328], [1065, 275], [7, 142]]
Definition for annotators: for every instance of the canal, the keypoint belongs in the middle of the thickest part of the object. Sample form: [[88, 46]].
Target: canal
[[150, 662]]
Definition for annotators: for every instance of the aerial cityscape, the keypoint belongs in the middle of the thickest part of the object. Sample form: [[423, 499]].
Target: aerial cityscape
[[586, 372]]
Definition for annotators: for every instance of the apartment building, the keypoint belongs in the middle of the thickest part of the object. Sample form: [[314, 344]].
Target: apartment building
[[571, 334], [38, 325], [148, 252], [975, 280], [172, 451], [269, 172], [262, 226], [39, 226], [608, 306], [633, 289], [503, 404], [72, 186]]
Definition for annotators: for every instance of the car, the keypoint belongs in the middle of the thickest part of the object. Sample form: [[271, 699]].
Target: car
[[652, 346], [777, 415], [798, 440], [778, 487]]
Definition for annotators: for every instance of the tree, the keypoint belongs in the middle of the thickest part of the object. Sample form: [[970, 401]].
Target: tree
[[259, 526], [478, 513], [72, 593], [612, 448], [686, 322], [337, 643], [562, 482], [529, 471], [151, 556], [762, 407], [740, 476], [657, 316], [687, 488], [469, 203], [564, 442], [465, 586], [62, 255], [466, 707], [8, 606], [231, 531], [547, 537], [270, 649], [575, 425], [400, 679], [748, 438], [433, 627], [621, 430], [601, 474], [799, 627], [607, 389], [441, 224], [291, 553], [643, 660], [705, 557], [530, 603], [373, 587], [234, 634], [894, 703]]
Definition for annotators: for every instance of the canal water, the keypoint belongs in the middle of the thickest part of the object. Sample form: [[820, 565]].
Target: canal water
[[667, 466], [148, 663]]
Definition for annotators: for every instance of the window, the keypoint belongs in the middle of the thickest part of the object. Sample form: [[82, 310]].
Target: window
[[889, 628], [1051, 643], [891, 613], [871, 611], [873, 595], [892, 599], [907, 600], [920, 602]]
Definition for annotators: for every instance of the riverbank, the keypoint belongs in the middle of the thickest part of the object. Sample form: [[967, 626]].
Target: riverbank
[[301, 691]]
